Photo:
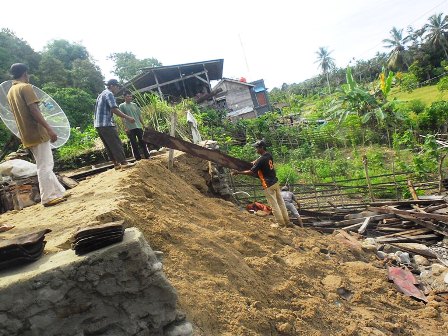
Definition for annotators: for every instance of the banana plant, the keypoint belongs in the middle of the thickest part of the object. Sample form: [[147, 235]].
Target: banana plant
[[386, 82], [355, 100]]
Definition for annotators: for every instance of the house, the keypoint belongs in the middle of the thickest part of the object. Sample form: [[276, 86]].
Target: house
[[242, 100], [173, 82], [260, 97]]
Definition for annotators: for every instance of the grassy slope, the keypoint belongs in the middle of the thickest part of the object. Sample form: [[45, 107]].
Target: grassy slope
[[426, 94]]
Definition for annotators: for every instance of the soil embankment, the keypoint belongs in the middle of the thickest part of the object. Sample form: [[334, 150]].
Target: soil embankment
[[235, 275]]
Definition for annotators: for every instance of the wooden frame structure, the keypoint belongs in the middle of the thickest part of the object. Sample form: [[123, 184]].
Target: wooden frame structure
[[181, 80]]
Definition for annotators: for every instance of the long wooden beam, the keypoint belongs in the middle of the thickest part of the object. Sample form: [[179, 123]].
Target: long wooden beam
[[419, 218], [164, 140], [438, 217]]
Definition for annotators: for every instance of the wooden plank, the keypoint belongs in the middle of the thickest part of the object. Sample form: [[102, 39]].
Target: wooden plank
[[417, 208], [352, 227], [408, 202], [432, 208], [443, 218], [404, 239], [364, 225], [362, 214], [412, 190], [164, 140], [407, 232], [429, 225], [68, 182], [424, 250], [361, 220], [388, 229]]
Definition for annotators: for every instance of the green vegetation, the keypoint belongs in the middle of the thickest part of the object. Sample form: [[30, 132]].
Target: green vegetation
[[425, 94], [388, 110]]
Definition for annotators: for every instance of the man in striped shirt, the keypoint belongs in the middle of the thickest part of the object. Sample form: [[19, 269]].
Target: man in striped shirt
[[263, 168], [105, 107]]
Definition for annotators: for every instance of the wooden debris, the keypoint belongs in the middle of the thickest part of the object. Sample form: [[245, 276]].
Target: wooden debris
[[432, 208], [68, 182], [440, 225], [364, 225], [412, 190]]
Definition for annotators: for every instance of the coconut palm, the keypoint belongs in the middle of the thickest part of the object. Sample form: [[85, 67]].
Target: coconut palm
[[437, 31], [326, 63], [397, 57]]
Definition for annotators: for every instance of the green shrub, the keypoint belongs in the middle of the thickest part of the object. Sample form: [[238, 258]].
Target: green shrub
[[409, 82], [442, 85], [79, 143]]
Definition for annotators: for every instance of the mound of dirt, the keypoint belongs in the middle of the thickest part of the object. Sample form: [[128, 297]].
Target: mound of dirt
[[235, 275]]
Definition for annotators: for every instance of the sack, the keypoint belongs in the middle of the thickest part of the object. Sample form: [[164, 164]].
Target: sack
[[17, 168], [256, 207]]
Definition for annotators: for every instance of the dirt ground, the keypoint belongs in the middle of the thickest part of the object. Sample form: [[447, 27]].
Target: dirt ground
[[235, 275]]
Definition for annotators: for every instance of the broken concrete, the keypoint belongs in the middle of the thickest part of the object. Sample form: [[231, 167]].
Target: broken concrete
[[117, 290]]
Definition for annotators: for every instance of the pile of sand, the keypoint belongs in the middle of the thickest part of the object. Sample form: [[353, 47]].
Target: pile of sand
[[236, 275]]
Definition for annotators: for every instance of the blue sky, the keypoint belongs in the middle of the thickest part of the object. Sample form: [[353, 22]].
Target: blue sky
[[274, 40]]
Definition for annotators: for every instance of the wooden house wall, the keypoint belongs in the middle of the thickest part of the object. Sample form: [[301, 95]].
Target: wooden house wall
[[237, 95]]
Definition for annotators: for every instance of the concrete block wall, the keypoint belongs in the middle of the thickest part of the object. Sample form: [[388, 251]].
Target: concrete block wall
[[117, 290]]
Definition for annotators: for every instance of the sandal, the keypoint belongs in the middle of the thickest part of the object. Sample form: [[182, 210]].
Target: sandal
[[55, 201]]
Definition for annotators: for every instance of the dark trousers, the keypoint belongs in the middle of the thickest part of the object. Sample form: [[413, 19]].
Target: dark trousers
[[136, 138], [112, 143]]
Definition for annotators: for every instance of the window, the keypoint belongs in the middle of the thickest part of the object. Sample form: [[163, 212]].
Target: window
[[261, 99]]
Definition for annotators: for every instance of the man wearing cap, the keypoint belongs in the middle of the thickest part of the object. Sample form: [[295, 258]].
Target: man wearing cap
[[263, 167], [35, 133], [289, 197], [105, 107]]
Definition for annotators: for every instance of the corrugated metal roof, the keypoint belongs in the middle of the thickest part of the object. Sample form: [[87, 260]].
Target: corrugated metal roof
[[163, 76]]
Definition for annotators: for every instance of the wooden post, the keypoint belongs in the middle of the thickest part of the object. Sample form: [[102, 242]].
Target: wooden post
[[395, 179], [172, 133], [441, 173], [208, 79], [183, 82], [158, 86], [366, 170], [412, 190]]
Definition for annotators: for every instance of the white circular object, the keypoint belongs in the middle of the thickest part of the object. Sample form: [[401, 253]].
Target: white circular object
[[51, 112]]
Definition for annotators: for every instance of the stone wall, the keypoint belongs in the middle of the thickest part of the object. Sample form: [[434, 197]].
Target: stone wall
[[117, 290]]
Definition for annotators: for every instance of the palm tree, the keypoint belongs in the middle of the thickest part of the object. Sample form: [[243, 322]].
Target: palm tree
[[326, 63], [437, 31], [397, 42]]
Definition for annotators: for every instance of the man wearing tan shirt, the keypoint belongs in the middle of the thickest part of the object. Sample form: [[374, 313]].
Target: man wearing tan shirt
[[35, 133]]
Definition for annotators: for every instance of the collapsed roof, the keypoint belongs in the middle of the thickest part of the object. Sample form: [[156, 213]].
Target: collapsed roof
[[181, 80]]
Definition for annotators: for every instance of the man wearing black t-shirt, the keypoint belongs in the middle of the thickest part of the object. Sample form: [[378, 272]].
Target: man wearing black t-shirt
[[263, 168]]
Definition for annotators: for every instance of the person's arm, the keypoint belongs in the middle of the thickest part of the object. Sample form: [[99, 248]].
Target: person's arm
[[243, 172], [116, 110], [251, 172], [37, 115]]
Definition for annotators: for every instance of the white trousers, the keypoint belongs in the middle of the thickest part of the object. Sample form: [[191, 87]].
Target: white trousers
[[49, 186]]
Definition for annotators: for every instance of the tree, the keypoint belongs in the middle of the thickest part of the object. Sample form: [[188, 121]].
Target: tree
[[77, 104], [87, 76], [52, 70], [397, 57], [15, 50], [66, 52], [127, 65], [326, 63], [436, 32]]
